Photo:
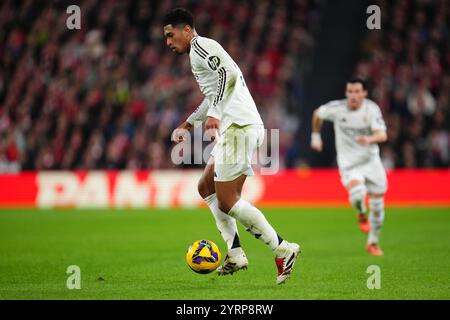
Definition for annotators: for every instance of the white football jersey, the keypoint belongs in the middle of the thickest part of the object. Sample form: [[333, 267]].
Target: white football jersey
[[348, 125], [227, 97]]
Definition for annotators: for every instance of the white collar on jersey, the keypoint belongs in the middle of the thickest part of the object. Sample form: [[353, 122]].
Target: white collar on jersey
[[363, 105], [194, 37]]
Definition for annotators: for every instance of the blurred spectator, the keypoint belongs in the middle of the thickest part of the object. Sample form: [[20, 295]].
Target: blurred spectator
[[408, 65], [110, 94]]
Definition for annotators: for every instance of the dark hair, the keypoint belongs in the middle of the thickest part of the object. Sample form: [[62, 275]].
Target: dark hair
[[179, 16], [358, 80]]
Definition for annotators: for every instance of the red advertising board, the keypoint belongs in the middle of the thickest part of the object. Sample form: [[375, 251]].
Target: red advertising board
[[98, 189]]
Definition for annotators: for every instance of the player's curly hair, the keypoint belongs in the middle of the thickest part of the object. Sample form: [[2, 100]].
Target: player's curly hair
[[179, 16]]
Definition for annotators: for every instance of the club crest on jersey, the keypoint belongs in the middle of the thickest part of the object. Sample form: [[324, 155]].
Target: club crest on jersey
[[213, 62]]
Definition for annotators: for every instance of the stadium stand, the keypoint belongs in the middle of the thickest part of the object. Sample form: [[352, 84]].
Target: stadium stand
[[408, 65], [108, 96]]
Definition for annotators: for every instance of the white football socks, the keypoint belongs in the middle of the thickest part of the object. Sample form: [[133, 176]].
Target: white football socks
[[255, 223], [376, 219], [357, 197], [225, 223]]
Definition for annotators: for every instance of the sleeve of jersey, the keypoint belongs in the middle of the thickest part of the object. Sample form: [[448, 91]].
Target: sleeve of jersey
[[199, 115], [215, 61], [377, 121], [326, 111]]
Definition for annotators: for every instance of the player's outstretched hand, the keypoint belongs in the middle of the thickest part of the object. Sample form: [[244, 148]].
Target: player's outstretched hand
[[180, 134], [316, 142]]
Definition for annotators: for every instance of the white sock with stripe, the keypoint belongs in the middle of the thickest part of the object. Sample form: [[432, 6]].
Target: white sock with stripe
[[357, 197], [376, 219], [256, 223], [226, 224]]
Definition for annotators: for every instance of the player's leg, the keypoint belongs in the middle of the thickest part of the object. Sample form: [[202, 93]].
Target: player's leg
[[229, 180], [377, 186], [225, 223], [357, 195], [255, 222], [357, 191], [376, 217], [252, 219]]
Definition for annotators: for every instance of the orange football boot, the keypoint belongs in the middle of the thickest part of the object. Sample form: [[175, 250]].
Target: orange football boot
[[363, 223], [374, 249]]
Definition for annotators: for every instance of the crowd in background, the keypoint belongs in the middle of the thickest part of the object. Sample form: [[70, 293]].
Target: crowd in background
[[407, 63], [108, 96]]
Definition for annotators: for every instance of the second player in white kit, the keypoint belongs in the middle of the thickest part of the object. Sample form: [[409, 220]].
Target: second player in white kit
[[359, 127]]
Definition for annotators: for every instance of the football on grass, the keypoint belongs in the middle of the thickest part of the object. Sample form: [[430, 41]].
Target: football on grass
[[203, 256]]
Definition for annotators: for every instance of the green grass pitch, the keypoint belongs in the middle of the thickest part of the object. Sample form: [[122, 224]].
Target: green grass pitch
[[140, 254]]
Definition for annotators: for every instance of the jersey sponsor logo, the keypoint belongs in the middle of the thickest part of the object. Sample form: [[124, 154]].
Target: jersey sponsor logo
[[354, 132], [213, 62]]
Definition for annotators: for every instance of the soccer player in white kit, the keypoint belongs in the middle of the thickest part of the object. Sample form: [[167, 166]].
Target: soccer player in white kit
[[359, 127], [228, 109]]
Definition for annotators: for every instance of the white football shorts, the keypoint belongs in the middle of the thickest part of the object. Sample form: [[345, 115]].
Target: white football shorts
[[371, 173], [234, 151]]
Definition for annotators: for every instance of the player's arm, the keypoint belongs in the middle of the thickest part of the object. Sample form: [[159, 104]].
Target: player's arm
[[377, 126], [324, 112], [180, 133], [316, 140], [200, 115], [223, 75], [378, 136], [213, 58], [195, 119]]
